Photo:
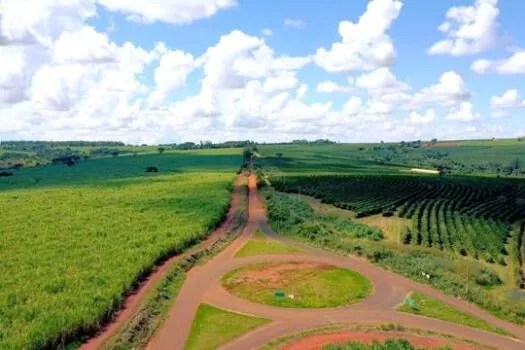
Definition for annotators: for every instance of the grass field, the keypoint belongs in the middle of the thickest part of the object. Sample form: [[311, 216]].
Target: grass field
[[260, 245], [75, 240], [420, 304], [312, 285], [213, 327], [390, 344]]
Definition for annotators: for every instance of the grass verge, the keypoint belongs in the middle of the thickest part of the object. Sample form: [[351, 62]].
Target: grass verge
[[213, 327], [297, 285], [420, 304], [260, 245]]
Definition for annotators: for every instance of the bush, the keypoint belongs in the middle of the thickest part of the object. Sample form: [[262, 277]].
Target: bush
[[6, 173], [487, 278], [152, 169]]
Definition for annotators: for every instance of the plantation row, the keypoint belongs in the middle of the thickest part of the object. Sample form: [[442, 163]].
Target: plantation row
[[469, 217], [436, 224], [369, 195]]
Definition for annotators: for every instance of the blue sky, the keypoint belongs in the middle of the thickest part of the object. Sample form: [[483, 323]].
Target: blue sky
[[87, 70]]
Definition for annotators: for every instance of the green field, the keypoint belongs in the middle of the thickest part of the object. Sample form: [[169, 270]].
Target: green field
[[213, 327], [76, 239], [301, 286], [461, 225], [260, 245], [421, 304]]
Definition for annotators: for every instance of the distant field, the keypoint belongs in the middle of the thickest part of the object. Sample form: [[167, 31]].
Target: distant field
[[75, 239]]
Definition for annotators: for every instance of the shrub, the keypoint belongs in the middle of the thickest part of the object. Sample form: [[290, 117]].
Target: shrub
[[6, 173], [152, 169], [488, 278]]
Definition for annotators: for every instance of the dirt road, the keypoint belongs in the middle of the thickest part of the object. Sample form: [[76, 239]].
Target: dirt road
[[134, 300], [203, 286]]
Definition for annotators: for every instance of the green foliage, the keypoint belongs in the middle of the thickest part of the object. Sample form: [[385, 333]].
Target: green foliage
[[422, 304], [213, 327], [470, 216], [445, 272], [389, 344], [76, 241]]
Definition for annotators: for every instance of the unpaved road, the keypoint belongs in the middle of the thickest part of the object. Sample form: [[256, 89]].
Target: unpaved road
[[203, 285], [133, 301]]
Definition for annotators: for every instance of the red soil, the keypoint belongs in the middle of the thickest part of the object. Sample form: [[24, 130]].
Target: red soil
[[317, 342]]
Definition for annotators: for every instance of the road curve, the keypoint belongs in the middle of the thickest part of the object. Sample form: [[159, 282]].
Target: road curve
[[203, 285]]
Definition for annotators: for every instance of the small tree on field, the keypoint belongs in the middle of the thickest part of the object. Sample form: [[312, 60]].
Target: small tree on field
[[115, 153], [152, 169], [161, 150]]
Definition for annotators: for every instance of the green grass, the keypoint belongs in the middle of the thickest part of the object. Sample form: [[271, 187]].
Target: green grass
[[213, 327], [389, 344], [76, 241], [420, 304], [313, 286], [260, 246]]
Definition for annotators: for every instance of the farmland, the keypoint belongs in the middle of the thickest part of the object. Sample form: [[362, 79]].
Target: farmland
[[461, 226], [76, 239]]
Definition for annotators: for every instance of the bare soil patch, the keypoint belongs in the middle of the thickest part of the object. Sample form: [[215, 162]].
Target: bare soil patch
[[317, 342]]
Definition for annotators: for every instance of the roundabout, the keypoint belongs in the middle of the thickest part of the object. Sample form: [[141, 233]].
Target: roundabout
[[297, 284], [296, 292]]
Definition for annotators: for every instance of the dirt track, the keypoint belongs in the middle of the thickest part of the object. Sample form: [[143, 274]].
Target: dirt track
[[203, 286], [133, 301]]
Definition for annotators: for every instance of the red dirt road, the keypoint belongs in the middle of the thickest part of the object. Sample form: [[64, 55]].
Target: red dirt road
[[318, 341], [133, 301], [203, 285]]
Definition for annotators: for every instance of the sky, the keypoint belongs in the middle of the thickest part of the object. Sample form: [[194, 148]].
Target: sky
[[170, 71]]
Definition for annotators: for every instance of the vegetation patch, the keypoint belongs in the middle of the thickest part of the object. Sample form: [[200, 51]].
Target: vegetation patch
[[213, 327], [297, 285], [94, 232], [261, 246], [446, 271], [421, 304], [389, 344]]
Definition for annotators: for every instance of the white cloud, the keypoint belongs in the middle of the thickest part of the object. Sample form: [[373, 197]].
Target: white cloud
[[450, 90], [422, 119], [267, 32], [464, 113], [170, 11], [294, 23], [13, 83], [27, 21], [469, 29], [513, 65], [510, 99], [83, 46], [352, 106], [171, 74], [330, 87], [380, 82], [365, 44], [282, 81]]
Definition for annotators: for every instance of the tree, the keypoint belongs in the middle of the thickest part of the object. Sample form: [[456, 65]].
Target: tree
[[115, 153], [434, 141], [161, 150], [69, 160], [152, 169]]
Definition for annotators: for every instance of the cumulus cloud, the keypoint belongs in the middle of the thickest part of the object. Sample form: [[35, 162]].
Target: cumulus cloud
[[464, 113], [83, 46], [422, 119], [169, 11], [330, 87], [171, 74], [450, 90], [512, 65], [469, 29], [380, 82], [294, 23], [364, 45], [510, 99]]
